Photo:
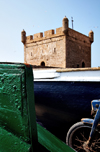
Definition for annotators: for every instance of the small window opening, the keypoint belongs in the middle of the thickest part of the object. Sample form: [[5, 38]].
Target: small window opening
[[54, 50], [77, 65], [42, 63], [83, 64]]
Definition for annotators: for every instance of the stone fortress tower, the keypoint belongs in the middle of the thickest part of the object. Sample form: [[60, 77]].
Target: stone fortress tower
[[66, 48]]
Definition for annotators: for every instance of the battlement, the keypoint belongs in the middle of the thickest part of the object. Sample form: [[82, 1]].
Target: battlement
[[59, 32], [47, 34], [30, 37], [52, 33], [38, 35]]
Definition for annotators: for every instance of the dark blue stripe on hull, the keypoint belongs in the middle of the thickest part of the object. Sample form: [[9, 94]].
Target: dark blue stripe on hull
[[64, 103]]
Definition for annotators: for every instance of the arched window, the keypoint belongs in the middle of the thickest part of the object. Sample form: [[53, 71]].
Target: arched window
[[42, 63], [83, 64]]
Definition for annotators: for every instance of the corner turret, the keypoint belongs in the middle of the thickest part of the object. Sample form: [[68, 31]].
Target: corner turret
[[65, 24], [91, 36], [23, 37]]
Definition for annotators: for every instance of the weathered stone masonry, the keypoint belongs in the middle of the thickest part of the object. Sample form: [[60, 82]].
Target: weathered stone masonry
[[66, 48]]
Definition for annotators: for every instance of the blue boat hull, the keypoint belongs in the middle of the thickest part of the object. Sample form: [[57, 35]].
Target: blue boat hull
[[61, 104]]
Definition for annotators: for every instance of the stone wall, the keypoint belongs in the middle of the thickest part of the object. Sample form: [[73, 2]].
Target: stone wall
[[50, 51], [77, 53], [78, 50]]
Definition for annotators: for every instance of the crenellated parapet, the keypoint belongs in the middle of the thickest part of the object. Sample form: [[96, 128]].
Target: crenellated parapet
[[30, 37], [42, 36], [62, 31], [38, 35], [48, 33], [59, 30]]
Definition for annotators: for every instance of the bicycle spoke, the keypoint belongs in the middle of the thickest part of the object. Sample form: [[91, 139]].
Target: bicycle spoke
[[78, 147], [83, 137], [77, 139]]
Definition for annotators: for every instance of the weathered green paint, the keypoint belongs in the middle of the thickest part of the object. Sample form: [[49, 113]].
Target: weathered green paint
[[11, 143], [31, 108], [52, 143], [17, 102], [18, 128]]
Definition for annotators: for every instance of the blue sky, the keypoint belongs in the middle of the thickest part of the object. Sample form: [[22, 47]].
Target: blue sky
[[36, 16]]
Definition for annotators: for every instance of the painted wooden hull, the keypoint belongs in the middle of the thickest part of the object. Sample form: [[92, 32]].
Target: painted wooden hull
[[59, 104]]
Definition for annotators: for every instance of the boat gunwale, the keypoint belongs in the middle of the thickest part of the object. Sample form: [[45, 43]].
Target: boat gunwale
[[78, 69]]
